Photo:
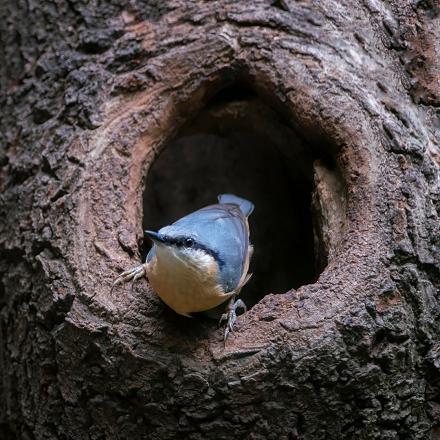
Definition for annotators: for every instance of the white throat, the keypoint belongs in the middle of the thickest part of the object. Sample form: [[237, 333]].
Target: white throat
[[186, 279]]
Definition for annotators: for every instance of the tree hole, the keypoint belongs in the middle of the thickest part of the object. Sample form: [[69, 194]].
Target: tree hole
[[238, 144]]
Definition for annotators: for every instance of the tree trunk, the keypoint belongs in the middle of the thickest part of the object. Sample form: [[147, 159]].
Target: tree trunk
[[329, 111]]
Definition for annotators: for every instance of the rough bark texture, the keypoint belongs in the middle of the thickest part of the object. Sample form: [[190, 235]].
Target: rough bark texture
[[91, 93]]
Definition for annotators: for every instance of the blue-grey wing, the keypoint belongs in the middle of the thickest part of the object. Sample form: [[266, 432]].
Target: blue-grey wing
[[223, 229]]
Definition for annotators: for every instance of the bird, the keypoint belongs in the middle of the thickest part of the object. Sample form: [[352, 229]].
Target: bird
[[200, 263]]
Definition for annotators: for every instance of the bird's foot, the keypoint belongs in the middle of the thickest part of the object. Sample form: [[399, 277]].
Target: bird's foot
[[132, 274], [231, 315]]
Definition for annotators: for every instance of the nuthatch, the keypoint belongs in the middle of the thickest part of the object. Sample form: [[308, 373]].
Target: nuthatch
[[201, 261]]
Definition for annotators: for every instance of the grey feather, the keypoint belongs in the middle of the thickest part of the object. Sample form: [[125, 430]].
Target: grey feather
[[246, 206]]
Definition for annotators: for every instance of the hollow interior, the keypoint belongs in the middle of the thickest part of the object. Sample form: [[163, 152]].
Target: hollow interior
[[238, 144]]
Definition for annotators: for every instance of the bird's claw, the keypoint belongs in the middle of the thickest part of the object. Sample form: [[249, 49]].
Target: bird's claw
[[231, 316], [131, 274]]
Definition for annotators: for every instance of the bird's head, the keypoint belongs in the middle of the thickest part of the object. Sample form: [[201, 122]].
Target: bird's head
[[179, 241], [178, 244]]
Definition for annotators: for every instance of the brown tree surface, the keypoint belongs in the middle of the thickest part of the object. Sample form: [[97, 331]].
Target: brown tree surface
[[330, 104]]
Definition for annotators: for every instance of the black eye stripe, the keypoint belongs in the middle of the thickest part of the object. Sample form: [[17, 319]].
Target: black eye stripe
[[183, 242]]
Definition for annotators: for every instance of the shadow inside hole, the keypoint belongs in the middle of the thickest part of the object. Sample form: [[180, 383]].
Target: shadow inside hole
[[239, 145]]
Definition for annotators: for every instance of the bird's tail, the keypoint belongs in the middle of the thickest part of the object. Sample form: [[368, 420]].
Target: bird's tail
[[246, 206]]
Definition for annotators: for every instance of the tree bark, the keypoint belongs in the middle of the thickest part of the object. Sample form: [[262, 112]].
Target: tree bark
[[91, 94]]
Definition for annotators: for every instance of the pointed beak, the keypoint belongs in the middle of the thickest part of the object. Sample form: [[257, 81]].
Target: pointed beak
[[155, 237]]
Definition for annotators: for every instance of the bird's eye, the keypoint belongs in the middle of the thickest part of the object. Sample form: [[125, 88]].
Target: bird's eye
[[188, 242]]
